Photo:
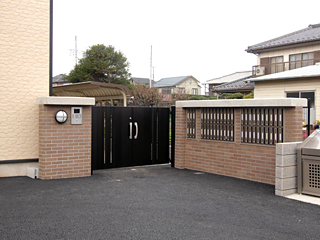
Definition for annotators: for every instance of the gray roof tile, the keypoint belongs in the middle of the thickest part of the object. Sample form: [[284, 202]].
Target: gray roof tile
[[309, 34], [170, 82], [235, 85], [59, 79], [230, 77], [143, 81]]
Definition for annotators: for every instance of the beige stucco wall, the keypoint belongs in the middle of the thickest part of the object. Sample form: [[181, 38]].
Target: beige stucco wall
[[278, 89], [286, 52], [189, 86], [24, 75]]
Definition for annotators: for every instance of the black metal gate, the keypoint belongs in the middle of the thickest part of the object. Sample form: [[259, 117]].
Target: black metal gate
[[129, 136]]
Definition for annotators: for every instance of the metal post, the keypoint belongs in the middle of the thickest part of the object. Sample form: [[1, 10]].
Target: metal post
[[173, 133], [308, 116], [50, 47], [150, 81]]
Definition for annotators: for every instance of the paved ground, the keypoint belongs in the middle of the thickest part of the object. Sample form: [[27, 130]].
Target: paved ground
[[156, 202]]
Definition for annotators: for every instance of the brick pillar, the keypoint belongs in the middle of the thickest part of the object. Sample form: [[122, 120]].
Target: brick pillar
[[181, 126], [64, 149], [293, 118], [237, 125]]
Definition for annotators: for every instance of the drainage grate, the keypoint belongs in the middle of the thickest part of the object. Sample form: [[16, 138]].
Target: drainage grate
[[314, 175]]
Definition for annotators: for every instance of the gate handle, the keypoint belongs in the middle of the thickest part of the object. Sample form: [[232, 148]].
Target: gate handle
[[130, 136], [136, 136]]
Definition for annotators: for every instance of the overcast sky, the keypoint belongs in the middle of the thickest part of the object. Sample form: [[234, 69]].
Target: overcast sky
[[202, 38]]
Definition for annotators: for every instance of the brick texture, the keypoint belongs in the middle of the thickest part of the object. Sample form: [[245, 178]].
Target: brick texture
[[241, 160], [64, 149], [24, 74]]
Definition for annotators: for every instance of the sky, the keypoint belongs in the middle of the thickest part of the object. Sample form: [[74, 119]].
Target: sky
[[203, 38]]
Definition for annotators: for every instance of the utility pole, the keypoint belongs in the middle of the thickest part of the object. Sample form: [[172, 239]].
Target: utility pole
[[76, 51], [151, 67]]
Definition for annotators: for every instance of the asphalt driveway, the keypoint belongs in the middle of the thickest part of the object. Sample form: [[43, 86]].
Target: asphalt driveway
[[154, 202]]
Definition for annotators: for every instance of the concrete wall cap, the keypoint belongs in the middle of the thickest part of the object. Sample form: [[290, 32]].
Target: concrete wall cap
[[287, 148], [66, 101], [267, 102]]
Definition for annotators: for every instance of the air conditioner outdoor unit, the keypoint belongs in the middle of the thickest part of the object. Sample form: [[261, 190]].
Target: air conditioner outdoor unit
[[260, 71]]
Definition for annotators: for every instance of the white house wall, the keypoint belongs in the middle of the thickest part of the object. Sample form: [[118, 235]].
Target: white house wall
[[278, 89], [189, 86], [286, 52], [24, 76]]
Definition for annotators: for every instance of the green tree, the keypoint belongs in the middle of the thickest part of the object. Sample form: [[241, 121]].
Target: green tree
[[251, 95], [101, 64], [78, 74], [232, 95]]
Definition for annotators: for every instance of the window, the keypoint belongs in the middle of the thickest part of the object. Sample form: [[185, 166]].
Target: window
[[307, 95], [166, 91], [181, 90], [191, 123], [262, 125], [277, 64], [217, 124], [301, 60], [195, 91]]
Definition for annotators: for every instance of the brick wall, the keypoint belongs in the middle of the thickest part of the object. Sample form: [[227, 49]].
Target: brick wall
[[241, 160], [64, 149]]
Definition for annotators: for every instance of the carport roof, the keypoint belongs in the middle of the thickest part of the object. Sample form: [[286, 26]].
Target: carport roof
[[98, 90]]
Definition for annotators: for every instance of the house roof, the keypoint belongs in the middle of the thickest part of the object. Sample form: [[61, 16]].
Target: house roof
[[304, 72], [59, 79], [230, 78], [237, 85], [306, 35], [171, 82], [143, 81]]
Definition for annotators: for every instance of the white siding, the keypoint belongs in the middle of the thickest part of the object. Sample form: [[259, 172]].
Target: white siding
[[278, 89], [189, 86], [286, 52]]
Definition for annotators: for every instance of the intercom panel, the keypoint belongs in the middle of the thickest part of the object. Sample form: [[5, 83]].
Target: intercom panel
[[76, 115]]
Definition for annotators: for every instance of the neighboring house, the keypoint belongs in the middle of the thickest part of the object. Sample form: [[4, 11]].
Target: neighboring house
[[298, 83], [291, 51], [243, 86], [237, 78], [142, 81], [59, 80], [287, 67], [183, 85]]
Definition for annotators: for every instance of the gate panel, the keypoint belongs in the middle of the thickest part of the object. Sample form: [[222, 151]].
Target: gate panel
[[142, 136], [97, 149], [163, 136], [121, 144], [107, 137], [126, 136]]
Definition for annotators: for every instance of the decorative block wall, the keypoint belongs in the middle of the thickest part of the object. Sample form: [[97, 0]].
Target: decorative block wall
[[255, 162], [64, 149]]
